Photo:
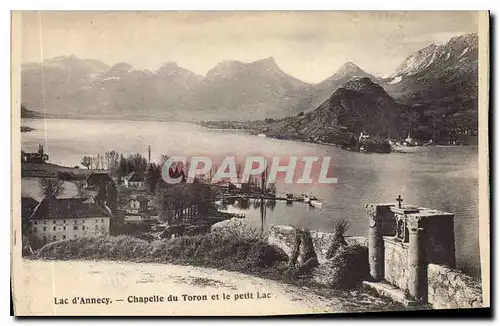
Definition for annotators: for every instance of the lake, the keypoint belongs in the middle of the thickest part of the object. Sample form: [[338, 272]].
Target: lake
[[444, 178]]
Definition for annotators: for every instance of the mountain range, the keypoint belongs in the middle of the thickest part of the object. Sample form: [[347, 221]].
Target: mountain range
[[359, 105], [437, 85], [242, 91], [440, 82]]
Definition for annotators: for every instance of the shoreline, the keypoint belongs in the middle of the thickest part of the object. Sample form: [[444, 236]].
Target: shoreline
[[202, 124]]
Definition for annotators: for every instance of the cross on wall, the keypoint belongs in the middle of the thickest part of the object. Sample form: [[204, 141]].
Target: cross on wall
[[400, 200]]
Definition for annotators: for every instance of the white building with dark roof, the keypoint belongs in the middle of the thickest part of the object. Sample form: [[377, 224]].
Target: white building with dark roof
[[133, 180], [67, 218]]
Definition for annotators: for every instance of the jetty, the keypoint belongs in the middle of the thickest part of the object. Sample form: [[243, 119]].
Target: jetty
[[259, 196]]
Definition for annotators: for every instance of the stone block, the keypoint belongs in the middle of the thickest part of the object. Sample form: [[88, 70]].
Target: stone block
[[451, 289], [283, 236]]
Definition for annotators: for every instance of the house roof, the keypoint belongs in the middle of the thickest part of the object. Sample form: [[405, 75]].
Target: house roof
[[27, 202], [67, 208], [98, 178], [134, 177]]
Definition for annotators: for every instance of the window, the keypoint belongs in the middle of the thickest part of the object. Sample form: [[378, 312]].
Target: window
[[34, 230], [96, 227], [74, 236], [54, 238], [74, 221], [102, 220], [54, 221], [45, 228], [54, 228], [64, 221], [35, 222], [95, 221], [64, 237], [44, 238], [75, 227], [83, 227], [83, 221], [64, 228]]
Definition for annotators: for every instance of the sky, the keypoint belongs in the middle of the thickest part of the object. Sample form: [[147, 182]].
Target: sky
[[309, 45]]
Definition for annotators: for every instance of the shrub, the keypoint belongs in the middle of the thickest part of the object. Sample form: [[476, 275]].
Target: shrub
[[303, 259], [346, 269], [235, 227], [339, 238], [247, 255]]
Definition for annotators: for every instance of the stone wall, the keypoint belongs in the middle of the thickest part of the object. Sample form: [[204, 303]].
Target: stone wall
[[449, 288], [284, 237], [396, 262]]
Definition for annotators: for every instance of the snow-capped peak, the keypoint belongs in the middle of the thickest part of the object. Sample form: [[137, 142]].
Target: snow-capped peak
[[459, 47], [418, 61]]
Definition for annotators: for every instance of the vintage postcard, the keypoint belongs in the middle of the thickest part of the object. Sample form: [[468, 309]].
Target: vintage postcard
[[249, 163]]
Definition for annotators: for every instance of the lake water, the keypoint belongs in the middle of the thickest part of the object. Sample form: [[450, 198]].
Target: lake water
[[444, 178]]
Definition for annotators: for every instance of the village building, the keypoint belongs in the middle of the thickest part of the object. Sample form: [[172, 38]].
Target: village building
[[66, 218], [133, 180], [36, 157], [137, 210]]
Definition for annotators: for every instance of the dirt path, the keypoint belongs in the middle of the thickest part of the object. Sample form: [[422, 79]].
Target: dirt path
[[199, 291]]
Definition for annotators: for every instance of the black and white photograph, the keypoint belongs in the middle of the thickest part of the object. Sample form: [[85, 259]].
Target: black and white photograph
[[249, 163]]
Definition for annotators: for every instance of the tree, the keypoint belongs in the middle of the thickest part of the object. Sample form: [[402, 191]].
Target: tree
[[122, 168], [95, 162], [51, 188], [153, 176], [111, 159], [111, 195], [80, 188], [185, 201], [137, 163], [100, 198], [87, 161]]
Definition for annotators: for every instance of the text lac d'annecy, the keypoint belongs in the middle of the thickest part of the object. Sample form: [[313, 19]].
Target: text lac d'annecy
[[307, 169]]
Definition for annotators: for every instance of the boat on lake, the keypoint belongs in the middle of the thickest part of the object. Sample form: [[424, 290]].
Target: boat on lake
[[314, 201]]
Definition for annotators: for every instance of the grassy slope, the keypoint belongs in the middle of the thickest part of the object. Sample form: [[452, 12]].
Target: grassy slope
[[49, 170], [249, 254], [246, 255], [31, 188]]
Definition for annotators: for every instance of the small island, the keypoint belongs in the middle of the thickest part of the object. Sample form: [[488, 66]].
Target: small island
[[26, 129]]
